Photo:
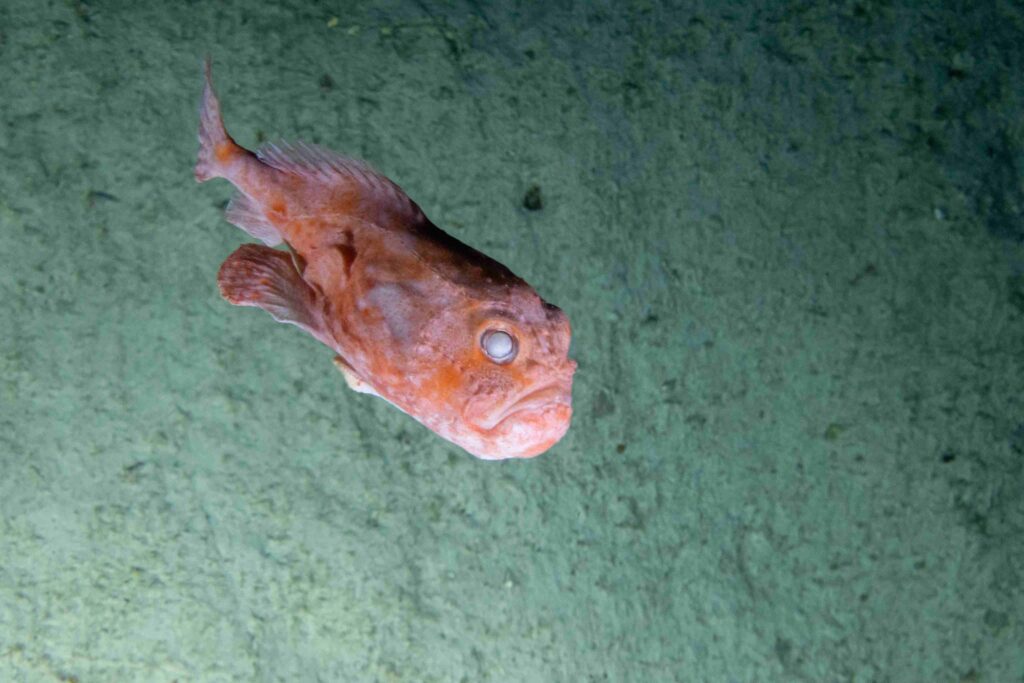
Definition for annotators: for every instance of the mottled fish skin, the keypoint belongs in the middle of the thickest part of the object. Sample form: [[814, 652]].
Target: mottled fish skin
[[440, 330]]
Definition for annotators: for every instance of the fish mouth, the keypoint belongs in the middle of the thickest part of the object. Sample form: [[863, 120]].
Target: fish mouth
[[539, 400]]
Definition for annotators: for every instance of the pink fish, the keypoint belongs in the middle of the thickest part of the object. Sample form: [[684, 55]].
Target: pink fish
[[438, 329]]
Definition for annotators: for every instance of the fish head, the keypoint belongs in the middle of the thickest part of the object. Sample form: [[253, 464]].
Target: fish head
[[513, 397]]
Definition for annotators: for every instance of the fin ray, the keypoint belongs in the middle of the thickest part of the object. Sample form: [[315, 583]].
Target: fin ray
[[379, 195], [353, 380], [215, 145], [255, 275], [246, 214]]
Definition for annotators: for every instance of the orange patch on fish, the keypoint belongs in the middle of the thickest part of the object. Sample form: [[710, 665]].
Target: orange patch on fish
[[443, 332], [224, 152]]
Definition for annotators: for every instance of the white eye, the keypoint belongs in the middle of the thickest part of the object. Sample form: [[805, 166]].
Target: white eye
[[500, 346]]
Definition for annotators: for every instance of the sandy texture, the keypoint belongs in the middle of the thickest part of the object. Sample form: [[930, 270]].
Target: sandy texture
[[790, 243]]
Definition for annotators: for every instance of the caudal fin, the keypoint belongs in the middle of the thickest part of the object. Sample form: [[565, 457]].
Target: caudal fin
[[216, 148]]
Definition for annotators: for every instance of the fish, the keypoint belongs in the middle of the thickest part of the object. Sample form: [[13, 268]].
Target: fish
[[414, 316]]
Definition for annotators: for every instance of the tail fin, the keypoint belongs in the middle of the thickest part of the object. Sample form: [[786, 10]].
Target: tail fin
[[216, 148]]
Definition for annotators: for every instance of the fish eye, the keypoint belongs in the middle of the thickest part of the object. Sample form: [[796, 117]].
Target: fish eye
[[499, 345]]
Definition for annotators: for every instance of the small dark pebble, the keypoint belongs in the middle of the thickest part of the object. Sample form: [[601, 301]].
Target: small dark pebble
[[621, 448], [532, 200], [326, 82], [94, 196], [833, 431]]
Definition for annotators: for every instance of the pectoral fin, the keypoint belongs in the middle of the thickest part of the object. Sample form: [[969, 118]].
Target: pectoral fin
[[255, 275], [354, 381]]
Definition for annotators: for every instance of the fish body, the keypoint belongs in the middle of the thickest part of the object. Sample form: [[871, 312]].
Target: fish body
[[438, 329]]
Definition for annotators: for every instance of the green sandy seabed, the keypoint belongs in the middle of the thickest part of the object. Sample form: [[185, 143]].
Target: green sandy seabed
[[791, 243]]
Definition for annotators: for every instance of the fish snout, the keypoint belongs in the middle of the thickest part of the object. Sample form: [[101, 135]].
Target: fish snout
[[529, 424], [489, 417], [545, 427]]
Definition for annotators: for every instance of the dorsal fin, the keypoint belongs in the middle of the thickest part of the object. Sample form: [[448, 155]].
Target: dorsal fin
[[323, 165]]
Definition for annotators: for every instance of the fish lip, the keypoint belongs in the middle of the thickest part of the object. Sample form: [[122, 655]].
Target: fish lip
[[548, 396]]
